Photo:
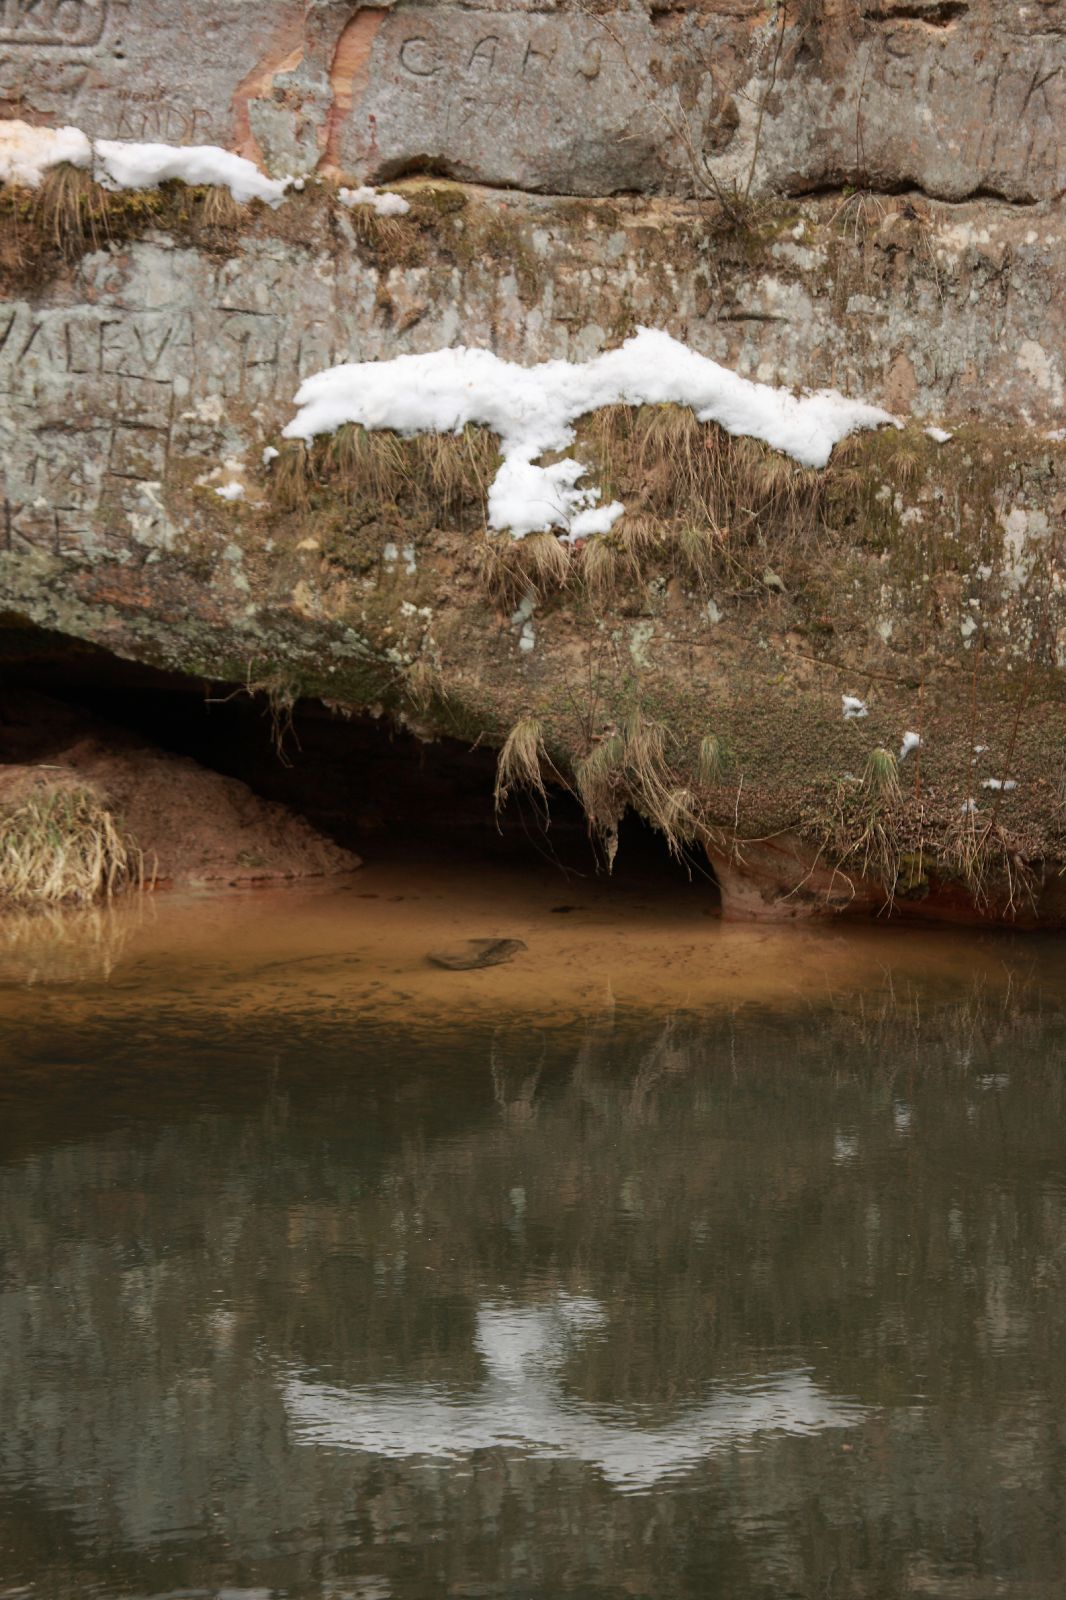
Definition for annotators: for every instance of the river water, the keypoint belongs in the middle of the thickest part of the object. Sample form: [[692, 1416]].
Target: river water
[[321, 1278]]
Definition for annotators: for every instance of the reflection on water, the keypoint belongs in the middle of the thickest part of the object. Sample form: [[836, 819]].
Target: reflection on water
[[521, 1405], [67, 945], [750, 1304]]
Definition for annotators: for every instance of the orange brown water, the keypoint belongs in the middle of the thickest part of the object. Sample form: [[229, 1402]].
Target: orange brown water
[[360, 946]]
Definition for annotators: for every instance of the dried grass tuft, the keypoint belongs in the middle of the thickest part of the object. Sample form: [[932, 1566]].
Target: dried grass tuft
[[521, 761], [599, 778], [602, 564], [979, 852], [423, 684], [511, 569], [629, 766], [371, 228], [880, 779], [72, 210], [866, 833], [713, 763], [292, 476], [216, 208], [64, 844], [453, 468], [699, 548], [376, 473]]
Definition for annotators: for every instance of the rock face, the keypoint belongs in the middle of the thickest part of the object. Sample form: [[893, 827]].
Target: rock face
[[956, 98], [860, 194]]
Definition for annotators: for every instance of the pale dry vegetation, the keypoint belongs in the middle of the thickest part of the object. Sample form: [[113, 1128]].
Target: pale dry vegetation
[[538, 565], [627, 765], [865, 833], [440, 477], [70, 214], [382, 234], [713, 511], [700, 504], [521, 762], [981, 855], [64, 844]]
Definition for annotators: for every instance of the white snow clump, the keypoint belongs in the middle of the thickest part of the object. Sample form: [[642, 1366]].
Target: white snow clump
[[533, 409], [231, 491], [26, 153], [938, 435], [383, 202], [853, 707], [911, 741], [1007, 784], [125, 165]]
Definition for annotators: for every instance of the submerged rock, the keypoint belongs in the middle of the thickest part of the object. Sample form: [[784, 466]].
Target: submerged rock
[[476, 953]]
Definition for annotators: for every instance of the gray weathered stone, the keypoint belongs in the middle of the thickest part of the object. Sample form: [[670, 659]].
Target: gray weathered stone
[[950, 98], [161, 357]]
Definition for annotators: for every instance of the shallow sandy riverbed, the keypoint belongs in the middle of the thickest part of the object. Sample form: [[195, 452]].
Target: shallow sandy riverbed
[[360, 947]]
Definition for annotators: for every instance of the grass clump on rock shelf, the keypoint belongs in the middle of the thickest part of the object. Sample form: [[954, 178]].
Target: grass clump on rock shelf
[[440, 478], [867, 834], [61, 843], [538, 565], [70, 215]]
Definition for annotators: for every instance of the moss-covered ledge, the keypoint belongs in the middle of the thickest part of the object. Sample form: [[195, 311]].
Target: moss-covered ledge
[[691, 665]]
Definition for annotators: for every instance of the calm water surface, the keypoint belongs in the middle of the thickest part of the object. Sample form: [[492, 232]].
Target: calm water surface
[[751, 1302]]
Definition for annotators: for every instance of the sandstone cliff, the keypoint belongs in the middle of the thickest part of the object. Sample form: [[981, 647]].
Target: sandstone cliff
[[862, 194]]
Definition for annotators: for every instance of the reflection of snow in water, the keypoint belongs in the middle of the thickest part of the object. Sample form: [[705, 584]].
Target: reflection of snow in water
[[845, 1148], [521, 1404]]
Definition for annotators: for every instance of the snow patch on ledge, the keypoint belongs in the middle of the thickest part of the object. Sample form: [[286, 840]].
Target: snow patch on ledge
[[384, 203], [122, 165], [533, 409], [27, 153]]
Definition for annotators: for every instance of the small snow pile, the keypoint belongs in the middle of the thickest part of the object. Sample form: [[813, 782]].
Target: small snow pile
[[853, 707], [122, 165], [231, 491], [384, 203], [1006, 784], [911, 741], [938, 435], [533, 409], [270, 454], [26, 153]]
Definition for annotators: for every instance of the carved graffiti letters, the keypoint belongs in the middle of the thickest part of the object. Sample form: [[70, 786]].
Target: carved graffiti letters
[[481, 57], [419, 57], [52, 22]]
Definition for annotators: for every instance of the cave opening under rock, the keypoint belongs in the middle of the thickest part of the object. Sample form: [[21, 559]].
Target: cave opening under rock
[[374, 788]]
